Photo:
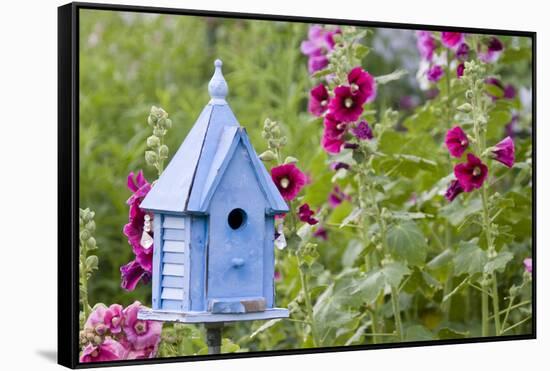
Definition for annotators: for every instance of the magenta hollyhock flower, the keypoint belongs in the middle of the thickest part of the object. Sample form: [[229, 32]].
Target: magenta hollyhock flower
[[490, 49], [305, 214], [131, 274], [362, 84], [321, 233], [454, 190], [460, 70], [317, 63], [362, 131], [113, 318], [435, 73], [318, 100], [333, 132], [462, 52], [141, 334], [109, 350], [337, 196], [289, 180], [452, 39], [528, 264], [456, 141], [504, 152], [277, 276], [426, 45], [331, 145], [471, 174], [345, 105]]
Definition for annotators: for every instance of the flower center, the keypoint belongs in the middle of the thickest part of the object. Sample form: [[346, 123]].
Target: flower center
[[354, 88], [100, 329], [348, 102], [285, 183], [95, 353], [464, 143], [477, 171], [324, 102], [115, 321], [140, 327]]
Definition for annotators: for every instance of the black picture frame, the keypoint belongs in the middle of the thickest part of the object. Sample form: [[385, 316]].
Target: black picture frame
[[68, 180]]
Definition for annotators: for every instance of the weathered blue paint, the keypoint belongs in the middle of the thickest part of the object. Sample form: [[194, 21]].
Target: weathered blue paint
[[205, 270]]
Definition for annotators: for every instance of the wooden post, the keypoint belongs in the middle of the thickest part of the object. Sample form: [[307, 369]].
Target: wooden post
[[214, 337]]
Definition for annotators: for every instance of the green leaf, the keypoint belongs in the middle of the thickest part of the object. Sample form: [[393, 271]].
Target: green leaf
[[229, 347], [405, 215], [361, 51], [265, 326], [499, 262], [469, 259], [422, 163], [406, 241], [418, 333], [352, 252], [456, 212], [394, 273], [395, 75], [370, 285], [441, 260], [511, 55], [322, 73], [494, 90], [449, 333], [352, 217]]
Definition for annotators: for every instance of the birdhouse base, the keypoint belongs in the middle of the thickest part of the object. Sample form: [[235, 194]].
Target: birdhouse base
[[207, 317]]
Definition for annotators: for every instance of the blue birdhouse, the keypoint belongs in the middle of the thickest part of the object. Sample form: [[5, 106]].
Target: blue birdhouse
[[213, 212]]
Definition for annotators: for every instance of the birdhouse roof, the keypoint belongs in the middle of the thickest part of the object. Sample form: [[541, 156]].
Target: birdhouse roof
[[191, 177]]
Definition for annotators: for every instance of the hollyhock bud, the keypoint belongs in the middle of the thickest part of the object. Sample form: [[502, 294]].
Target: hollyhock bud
[[362, 131], [305, 214], [435, 73], [504, 152], [454, 190]]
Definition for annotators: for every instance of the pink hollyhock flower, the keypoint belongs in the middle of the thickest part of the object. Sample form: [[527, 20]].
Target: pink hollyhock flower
[[456, 141], [109, 350], [452, 39], [113, 318], [145, 353], [140, 334], [454, 190], [426, 44], [321, 233], [362, 131], [504, 152], [289, 180], [435, 73], [460, 70], [336, 197], [489, 50], [131, 274], [319, 43], [362, 84], [318, 100], [305, 214], [345, 105], [96, 320], [471, 174], [462, 52], [528, 264]]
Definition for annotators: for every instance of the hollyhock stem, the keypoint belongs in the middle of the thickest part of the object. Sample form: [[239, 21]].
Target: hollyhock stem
[[484, 313], [309, 306]]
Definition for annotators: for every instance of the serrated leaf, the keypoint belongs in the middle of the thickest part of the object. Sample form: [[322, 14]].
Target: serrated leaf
[[394, 273], [499, 262], [406, 241], [352, 252], [469, 258], [455, 212], [441, 260], [395, 75]]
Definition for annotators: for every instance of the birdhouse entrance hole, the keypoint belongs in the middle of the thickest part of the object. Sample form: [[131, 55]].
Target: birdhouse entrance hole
[[236, 218]]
